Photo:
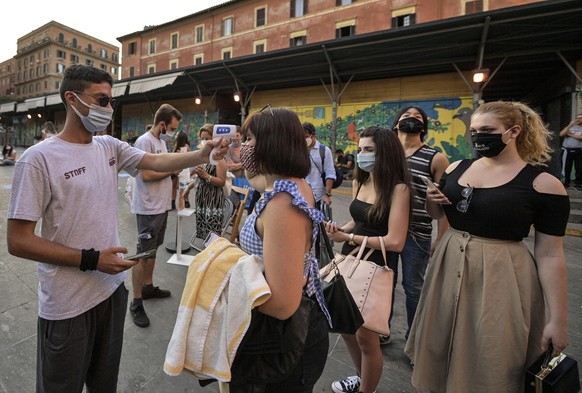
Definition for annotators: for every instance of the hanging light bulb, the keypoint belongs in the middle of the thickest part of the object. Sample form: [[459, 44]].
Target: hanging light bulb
[[236, 96], [480, 75], [198, 100]]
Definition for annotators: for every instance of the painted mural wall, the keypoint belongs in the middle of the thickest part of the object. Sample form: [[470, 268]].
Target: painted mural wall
[[448, 130], [449, 120], [134, 125]]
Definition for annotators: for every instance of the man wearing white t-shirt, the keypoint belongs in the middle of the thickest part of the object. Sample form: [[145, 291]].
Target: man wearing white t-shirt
[[573, 146], [152, 197], [70, 183]]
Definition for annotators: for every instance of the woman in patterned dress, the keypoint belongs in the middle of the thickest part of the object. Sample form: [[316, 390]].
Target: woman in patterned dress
[[209, 192]]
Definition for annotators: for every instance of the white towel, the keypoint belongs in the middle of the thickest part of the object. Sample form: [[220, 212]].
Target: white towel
[[222, 287]]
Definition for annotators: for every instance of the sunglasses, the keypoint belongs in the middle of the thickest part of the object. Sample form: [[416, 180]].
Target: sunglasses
[[102, 100], [270, 109], [467, 194]]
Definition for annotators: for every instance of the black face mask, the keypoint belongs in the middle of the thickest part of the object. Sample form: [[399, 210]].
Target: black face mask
[[410, 125], [488, 145]]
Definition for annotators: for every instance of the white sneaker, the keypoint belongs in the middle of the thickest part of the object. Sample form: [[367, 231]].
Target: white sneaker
[[348, 385]]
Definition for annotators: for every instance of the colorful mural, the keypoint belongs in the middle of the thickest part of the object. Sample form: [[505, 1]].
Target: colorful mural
[[449, 120], [134, 126]]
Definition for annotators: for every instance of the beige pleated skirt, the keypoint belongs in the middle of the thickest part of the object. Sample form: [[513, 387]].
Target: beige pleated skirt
[[480, 319]]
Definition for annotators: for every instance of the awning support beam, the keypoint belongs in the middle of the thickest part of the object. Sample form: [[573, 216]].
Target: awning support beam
[[334, 95], [572, 70]]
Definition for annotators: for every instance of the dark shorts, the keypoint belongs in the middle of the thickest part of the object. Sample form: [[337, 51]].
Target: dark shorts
[[85, 349], [310, 367], [151, 230]]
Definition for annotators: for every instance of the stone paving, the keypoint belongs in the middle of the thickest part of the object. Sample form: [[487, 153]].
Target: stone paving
[[144, 349]]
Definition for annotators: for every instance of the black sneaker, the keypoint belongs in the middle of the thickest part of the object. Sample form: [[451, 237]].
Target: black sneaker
[[385, 340], [348, 385], [149, 292], [139, 315]]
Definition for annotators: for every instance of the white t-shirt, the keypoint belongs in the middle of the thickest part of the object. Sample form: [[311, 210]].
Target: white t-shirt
[[570, 142], [73, 189], [153, 197]]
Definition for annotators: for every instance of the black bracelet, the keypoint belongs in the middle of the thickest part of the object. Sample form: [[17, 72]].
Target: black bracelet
[[89, 259]]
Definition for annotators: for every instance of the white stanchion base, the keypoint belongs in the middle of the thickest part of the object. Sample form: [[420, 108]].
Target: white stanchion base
[[185, 260]]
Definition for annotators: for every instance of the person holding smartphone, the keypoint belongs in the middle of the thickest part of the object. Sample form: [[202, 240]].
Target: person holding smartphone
[[411, 125], [69, 183], [481, 320], [380, 210]]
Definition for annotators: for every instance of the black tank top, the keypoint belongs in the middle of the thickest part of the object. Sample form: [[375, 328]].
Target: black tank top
[[359, 212], [508, 211]]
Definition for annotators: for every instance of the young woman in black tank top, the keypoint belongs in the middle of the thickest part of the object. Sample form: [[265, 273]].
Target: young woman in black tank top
[[380, 210]]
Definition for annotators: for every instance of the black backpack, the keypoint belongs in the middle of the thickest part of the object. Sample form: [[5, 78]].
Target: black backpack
[[339, 175]]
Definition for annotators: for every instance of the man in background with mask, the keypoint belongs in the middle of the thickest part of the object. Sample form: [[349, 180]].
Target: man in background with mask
[[411, 124], [69, 182], [320, 168], [152, 198], [572, 135]]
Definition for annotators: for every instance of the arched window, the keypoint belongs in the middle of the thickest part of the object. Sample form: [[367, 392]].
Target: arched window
[[74, 42], [61, 37]]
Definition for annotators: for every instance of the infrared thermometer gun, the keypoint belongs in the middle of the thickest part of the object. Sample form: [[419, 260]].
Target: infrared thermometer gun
[[226, 131]]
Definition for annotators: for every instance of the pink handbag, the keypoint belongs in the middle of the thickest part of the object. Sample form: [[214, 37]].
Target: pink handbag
[[370, 285]]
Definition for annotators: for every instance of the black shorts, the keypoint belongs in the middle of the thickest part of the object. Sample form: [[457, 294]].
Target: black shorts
[[151, 230], [85, 349]]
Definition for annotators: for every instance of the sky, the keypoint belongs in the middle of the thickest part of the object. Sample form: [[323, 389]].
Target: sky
[[90, 17]]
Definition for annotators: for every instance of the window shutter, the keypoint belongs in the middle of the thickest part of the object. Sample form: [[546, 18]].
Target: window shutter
[[474, 6]]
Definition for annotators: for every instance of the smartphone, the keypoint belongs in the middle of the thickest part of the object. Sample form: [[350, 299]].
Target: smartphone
[[141, 255], [429, 183]]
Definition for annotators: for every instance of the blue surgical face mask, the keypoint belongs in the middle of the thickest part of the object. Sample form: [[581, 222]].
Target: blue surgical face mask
[[98, 118], [366, 161]]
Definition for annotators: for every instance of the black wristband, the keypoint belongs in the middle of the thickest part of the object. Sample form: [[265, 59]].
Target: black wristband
[[89, 259]]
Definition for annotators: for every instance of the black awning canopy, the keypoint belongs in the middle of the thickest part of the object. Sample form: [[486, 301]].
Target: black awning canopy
[[530, 41]]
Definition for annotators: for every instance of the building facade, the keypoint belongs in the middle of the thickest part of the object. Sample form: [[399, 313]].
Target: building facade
[[7, 78], [43, 54], [246, 27]]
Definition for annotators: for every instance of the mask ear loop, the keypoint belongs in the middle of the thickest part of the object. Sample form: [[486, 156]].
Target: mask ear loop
[[510, 135]]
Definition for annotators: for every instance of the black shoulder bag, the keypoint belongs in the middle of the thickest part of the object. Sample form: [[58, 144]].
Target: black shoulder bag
[[272, 348]]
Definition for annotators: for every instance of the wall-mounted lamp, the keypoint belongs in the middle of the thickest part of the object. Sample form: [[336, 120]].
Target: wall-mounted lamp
[[29, 116], [236, 96], [198, 100], [39, 115], [480, 75]]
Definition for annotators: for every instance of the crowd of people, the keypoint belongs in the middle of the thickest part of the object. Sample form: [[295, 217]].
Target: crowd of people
[[482, 281]]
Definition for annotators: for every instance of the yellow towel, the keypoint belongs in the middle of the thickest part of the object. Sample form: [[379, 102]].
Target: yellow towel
[[222, 286]]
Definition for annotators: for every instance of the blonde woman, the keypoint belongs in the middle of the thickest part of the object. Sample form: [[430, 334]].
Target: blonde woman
[[481, 319]]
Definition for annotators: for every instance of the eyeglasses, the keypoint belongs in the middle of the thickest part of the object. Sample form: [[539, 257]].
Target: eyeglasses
[[467, 194], [102, 100], [270, 109]]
